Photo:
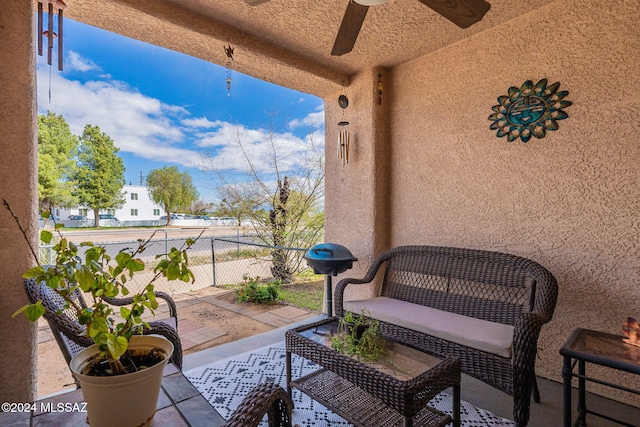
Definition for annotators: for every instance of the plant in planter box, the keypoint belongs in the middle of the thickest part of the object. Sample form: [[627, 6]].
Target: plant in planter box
[[102, 277], [359, 336]]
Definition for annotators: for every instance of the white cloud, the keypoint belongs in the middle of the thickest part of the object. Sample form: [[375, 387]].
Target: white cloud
[[201, 122], [314, 120], [79, 63], [235, 146], [137, 123], [153, 130]]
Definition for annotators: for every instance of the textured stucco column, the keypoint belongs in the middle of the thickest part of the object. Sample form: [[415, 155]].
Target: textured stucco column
[[356, 195], [18, 185]]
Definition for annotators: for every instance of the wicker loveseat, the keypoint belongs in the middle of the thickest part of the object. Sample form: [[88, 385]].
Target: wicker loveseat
[[486, 308]]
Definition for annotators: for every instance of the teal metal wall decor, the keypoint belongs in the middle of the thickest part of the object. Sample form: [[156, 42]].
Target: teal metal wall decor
[[529, 111]]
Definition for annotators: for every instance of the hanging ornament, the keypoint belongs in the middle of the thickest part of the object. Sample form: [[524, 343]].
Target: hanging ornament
[[380, 88], [344, 137], [53, 7], [228, 50]]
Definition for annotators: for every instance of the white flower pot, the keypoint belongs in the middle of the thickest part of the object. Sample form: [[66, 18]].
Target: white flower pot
[[122, 400]]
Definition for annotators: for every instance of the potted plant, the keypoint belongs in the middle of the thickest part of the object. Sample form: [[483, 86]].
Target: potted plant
[[121, 357], [359, 336]]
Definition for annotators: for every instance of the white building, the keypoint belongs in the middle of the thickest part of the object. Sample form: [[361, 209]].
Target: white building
[[138, 206]]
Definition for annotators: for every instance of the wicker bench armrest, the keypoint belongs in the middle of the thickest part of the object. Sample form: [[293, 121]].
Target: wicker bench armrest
[[338, 296], [526, 332], [368, 278]]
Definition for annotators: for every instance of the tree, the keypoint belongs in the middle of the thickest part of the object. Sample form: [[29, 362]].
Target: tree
[[100, 174], [57, 152], [280, 188], [239, 201], [172, 189], [200, 207]]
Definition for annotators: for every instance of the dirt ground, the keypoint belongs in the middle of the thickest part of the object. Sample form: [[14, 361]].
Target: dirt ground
[[235, 325], [54, 375]]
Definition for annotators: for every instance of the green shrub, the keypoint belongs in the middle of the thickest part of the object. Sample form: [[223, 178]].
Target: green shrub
[[253, 291]]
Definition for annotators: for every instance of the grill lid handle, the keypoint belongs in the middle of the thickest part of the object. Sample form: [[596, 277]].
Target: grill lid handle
[[323, 250]]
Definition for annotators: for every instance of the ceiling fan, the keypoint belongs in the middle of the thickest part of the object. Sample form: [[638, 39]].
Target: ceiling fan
[[463, 13]]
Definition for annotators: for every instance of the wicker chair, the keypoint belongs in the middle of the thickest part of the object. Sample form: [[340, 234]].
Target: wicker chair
[[69, 333], [267, 398], [490, 286]]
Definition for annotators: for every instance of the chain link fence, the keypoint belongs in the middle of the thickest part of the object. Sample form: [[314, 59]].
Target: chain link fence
[[214, 260], [245, 256]]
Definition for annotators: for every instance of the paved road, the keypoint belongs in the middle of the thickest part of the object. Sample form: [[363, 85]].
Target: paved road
[[128, 234], [163, 238]]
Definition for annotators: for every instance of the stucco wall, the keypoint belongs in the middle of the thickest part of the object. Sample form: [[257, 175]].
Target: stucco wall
[[570, 201], [18, 185], [356, 198]]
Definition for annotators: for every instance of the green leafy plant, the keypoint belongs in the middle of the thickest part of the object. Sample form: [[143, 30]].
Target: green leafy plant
[[360, 336], [95, 274], [253, 291]]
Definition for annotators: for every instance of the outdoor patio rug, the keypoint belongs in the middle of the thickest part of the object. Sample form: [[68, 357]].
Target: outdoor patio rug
[[225, 383]]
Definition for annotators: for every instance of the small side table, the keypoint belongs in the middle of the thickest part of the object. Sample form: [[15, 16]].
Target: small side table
[[598, 348]]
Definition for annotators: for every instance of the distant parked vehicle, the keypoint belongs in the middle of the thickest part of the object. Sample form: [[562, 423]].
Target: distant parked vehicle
[[108, 216], [164, 217], [208, 218], [77, 217]]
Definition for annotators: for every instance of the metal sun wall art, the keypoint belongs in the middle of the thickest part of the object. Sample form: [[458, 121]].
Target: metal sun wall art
[[529, 111]]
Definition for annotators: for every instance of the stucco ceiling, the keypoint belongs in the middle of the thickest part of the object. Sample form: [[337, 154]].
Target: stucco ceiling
[[289, 42]]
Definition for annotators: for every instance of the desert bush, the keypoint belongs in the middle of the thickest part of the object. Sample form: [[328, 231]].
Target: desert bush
[[253, 291]]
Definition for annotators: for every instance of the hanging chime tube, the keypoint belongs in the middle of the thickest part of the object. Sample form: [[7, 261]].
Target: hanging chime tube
[[346, 147], [40, 28], [60, 39], [50, 35], [343, 146]]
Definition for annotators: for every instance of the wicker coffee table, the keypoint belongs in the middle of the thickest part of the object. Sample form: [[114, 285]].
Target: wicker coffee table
[[393, 392]]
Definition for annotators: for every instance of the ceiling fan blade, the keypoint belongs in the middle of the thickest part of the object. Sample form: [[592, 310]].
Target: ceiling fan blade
[[349, 29], [463, 13]]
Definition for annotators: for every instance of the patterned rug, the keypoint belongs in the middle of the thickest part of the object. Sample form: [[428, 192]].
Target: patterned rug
[[225, 383]]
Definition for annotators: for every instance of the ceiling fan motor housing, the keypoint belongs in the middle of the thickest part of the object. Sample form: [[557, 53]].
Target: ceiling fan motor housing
[[370, 2]]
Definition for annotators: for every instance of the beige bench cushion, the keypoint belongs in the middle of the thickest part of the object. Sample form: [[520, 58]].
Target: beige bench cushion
[[495, 338]]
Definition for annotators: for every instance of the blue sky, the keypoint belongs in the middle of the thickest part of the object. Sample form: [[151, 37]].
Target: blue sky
[[165, 108]]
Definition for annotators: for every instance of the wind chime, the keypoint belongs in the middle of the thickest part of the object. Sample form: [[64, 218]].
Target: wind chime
[[228, 50], [344, 137], [53, 7]]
